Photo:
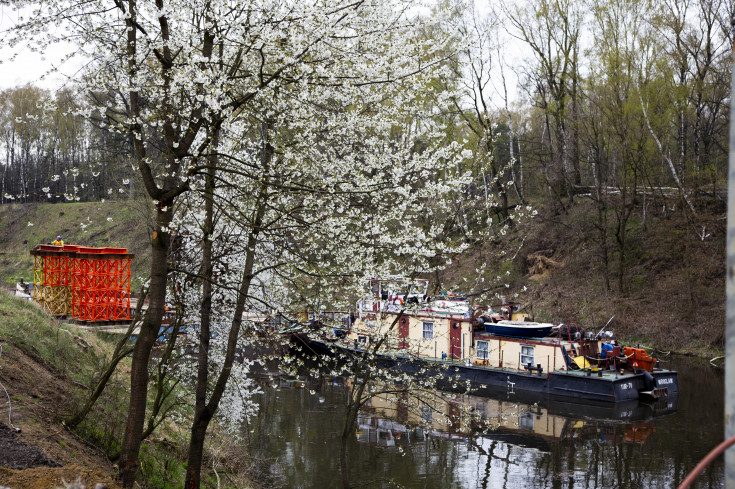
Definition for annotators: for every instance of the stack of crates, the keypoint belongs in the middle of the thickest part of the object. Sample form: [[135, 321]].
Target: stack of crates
[[51, 279]]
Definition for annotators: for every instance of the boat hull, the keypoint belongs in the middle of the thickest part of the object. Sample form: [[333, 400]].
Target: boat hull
[[519, 384]]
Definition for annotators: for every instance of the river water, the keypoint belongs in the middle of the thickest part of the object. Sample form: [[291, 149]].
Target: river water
[[405, 445]]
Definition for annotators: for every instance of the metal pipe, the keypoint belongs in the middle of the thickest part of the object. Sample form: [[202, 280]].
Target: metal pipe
[[730, 288]]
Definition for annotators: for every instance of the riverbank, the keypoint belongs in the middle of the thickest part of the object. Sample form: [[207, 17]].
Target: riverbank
[[47, 368], [37, 367], [664, 288]]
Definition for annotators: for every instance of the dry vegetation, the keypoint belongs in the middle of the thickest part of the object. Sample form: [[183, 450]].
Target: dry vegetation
[[41, 369], [674, 282], [47, 368]]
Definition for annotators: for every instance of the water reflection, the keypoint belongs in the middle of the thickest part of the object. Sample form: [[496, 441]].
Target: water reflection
[[476, 442]]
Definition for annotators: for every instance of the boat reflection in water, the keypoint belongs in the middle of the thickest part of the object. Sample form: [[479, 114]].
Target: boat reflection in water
[[389, 421], [443, 440]]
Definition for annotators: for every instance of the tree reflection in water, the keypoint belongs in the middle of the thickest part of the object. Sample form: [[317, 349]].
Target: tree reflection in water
[[503, 443]]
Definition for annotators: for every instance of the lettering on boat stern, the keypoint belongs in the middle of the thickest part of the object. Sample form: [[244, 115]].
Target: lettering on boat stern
[[667, 381], [626, 386], [510, 385]]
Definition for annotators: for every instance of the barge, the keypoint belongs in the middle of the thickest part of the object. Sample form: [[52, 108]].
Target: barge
[[473, 355]]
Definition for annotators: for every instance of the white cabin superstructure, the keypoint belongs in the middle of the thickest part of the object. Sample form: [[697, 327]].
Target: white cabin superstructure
[[442, 329]]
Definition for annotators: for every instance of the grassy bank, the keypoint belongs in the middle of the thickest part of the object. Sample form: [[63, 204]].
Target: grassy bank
[[44, 367], [562, 265], [672, 292], [48, 369]]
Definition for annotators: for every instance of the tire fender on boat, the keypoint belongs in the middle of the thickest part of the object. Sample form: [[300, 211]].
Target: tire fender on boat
[[648, 380]]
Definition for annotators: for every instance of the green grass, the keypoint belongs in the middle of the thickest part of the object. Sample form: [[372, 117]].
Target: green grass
[[24, 324], [160, 467], [114, 224]]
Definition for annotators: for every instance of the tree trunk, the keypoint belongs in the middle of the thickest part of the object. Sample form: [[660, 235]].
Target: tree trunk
[[344, 470], [204, 411], [149, 329], [201, 416], [353, 409]]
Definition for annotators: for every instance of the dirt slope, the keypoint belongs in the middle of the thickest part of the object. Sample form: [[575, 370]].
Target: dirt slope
[[44, 453], [673, 279]]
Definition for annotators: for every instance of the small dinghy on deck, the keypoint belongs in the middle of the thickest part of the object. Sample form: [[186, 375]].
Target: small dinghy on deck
[[522, 329]]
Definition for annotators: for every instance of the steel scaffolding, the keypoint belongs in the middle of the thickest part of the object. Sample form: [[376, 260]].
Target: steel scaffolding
[[82, 282]]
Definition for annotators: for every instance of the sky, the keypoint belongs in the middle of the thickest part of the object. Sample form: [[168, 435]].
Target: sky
[[29, 67]]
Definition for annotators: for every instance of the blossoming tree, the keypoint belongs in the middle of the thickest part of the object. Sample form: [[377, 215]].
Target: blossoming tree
[[347, 160]]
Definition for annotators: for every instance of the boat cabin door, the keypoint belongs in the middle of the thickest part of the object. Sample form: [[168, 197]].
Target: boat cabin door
[[403, 332], [455, 340]]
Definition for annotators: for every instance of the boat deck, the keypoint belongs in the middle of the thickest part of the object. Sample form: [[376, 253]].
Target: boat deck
[[593, 372]]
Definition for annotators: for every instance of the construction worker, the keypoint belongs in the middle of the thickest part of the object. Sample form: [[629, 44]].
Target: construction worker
[[58, 242]]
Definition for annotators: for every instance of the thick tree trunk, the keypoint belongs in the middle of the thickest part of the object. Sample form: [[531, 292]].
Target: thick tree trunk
[[196, 449], [149, 329]]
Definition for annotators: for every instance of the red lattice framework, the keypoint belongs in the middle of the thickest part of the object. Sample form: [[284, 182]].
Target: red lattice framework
[[85, 283]]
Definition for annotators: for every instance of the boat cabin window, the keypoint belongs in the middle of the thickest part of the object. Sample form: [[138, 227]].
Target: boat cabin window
[[427, 414], [527, 355], [526, 421], [481, 409], [428, 330], [482, 350]]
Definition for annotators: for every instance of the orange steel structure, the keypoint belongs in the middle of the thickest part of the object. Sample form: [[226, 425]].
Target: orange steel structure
[[83, 282]]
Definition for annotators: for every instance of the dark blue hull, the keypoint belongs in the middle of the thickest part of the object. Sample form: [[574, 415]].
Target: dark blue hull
[[557, 385]]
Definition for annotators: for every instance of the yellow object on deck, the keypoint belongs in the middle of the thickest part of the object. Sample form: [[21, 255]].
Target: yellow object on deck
[[581, 362]]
